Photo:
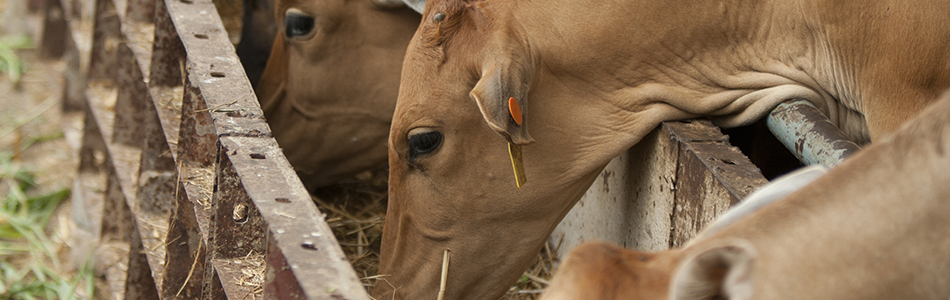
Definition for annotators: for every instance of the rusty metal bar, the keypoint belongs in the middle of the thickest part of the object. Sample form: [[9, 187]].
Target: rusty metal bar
[[55, 29], [258, 200], [808, 134], [177, 154]]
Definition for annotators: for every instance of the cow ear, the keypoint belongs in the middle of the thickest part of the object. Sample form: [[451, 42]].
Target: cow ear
[[725, 270], [502, 97]]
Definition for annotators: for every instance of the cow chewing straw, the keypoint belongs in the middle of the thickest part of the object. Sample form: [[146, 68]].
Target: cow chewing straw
[[356, 211]]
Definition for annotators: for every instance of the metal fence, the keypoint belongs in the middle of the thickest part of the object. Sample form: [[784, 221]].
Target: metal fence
[[180, 177]]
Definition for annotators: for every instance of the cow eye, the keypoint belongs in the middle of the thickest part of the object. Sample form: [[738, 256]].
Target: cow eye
[[297, 24], [424, 143]]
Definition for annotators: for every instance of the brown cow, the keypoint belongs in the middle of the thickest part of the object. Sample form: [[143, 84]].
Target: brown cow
[[330, 85], [876, 227], [591, 79]]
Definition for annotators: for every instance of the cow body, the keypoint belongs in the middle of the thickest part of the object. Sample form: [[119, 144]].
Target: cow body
[[876, 227], [329, 87], [591, 80]]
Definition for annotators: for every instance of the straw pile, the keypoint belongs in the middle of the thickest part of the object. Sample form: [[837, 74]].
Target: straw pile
[[356, 211]]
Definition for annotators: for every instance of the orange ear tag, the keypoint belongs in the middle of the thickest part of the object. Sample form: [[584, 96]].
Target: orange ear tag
[[515, 110]]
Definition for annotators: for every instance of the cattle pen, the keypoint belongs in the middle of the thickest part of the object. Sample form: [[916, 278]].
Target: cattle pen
[[180, 173]]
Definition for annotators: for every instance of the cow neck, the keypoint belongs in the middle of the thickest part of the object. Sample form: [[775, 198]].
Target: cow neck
[[666, 60]]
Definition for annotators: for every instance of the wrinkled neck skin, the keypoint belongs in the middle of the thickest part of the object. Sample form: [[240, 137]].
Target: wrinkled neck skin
[[735, 60], [606, 74]]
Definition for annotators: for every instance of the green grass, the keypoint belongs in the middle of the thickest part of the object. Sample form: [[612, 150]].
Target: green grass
[[10, 63], [29, 264]]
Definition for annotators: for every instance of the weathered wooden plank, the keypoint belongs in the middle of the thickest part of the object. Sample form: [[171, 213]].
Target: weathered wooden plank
[[629, 203], [711, 176], [661, 191]]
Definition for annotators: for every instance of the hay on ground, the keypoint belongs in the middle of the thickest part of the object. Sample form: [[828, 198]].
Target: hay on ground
[[356, 212]]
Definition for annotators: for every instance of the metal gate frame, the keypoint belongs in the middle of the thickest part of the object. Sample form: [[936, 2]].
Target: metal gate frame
[[179, 173]]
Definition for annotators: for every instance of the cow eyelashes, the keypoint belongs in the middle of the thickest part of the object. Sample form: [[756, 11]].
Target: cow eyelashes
[[424, 143], [296, 24]]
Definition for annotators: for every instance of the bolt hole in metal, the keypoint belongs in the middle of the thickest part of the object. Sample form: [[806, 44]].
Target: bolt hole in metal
[[309, 246], [217, 74], [201, 36], [239, 214], [258, 156], [282, 200]]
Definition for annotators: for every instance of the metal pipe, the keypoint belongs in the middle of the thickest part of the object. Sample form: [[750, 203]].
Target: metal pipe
[[808, 134]]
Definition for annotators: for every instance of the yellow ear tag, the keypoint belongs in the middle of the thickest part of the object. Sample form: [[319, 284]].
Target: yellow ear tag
[[515, 152]]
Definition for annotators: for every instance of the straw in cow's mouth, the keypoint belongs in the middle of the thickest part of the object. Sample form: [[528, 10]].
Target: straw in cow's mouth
[[356, 212], [445, 272]]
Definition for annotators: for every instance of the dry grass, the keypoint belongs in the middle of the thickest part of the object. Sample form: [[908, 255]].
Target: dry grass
[[536, 278], [252, 273], [356, 211], [203, 180]]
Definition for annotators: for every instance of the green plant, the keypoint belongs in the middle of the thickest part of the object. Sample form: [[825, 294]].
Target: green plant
[[10, 63], [29, 264]]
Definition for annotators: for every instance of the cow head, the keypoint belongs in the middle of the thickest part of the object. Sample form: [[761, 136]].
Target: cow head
[[452, 185], [722, 270], [331, 82]]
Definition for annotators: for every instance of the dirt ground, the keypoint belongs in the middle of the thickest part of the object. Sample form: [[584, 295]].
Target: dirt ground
[[32, 124], [33, 131]]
